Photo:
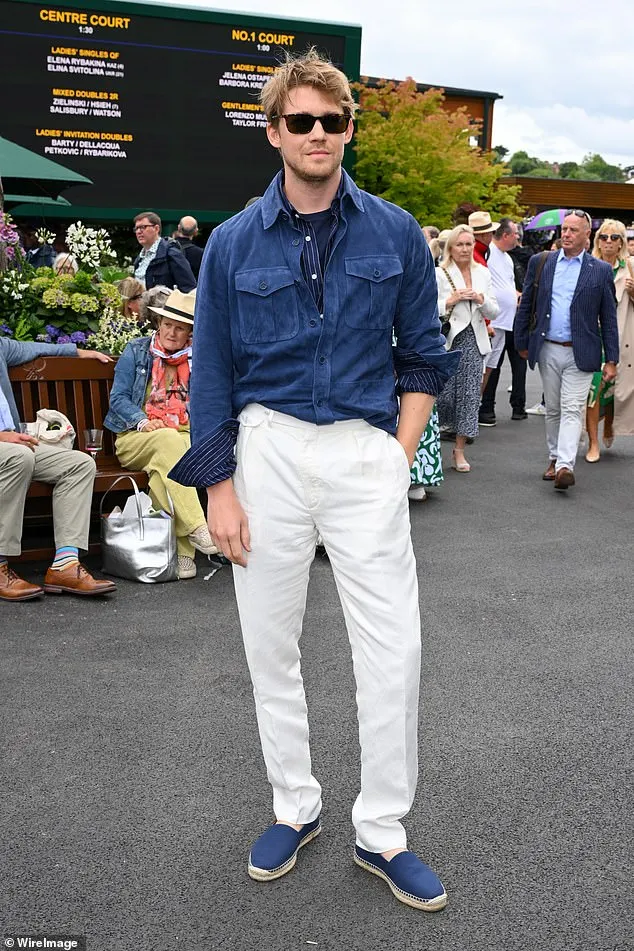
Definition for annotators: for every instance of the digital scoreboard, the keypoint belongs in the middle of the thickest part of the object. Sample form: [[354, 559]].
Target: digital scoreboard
[[157, 105]]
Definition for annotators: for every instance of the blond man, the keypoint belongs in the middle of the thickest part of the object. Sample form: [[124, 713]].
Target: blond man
[[298, 298]]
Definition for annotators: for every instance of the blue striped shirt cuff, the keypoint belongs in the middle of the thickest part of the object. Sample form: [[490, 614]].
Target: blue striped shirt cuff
[[211, 460], [416, 373]]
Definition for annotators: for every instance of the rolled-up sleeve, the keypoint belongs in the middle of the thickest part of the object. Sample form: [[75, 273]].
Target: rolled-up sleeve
[[421, 363], [211, 458]]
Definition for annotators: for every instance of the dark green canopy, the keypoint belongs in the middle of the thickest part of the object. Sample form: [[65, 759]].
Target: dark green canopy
[[26, 173]]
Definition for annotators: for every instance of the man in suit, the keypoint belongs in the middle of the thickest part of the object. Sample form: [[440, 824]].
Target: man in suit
[[575, 296], [184, 238], [160, 261]]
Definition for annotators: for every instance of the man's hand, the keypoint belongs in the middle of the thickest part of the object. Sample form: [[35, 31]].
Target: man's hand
[[227, 522], [609, 372], [94, 355], [151, 424], [523, 354], [23, 439]]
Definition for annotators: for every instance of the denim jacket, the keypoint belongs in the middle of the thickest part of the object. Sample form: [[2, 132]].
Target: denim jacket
[[15, 352], [131, 375], [259, 335]]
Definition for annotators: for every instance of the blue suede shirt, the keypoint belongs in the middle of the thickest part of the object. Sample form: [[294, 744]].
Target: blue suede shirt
[[260, 337]]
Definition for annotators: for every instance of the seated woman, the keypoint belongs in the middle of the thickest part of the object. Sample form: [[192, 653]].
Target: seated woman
[[155, 297], [65, 263], [149, 410], [131, 292]]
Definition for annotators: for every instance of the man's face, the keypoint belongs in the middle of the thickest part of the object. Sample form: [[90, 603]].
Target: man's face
[[146, 233], [630, 245], [316, 156], [509, 241], [575, 231], [485, 237]]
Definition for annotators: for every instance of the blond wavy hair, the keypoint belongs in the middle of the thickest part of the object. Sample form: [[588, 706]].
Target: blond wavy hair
[[611, 226], [309, 69], [452, 237]]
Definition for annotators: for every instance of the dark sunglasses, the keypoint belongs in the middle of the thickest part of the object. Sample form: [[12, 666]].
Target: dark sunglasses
[[610, 237], [580, 214], [301, 123]]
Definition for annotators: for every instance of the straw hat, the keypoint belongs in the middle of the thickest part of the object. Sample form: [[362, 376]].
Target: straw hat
[[480, 222], [179, 306]]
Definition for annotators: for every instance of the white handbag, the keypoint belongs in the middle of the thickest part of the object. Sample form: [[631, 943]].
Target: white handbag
[[52, 429]]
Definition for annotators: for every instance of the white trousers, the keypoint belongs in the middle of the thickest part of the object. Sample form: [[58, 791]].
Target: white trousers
[[348, 482], [566, 389]]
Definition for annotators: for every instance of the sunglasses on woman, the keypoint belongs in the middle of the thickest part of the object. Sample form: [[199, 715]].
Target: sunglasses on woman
[[301, 123], [610, 237]]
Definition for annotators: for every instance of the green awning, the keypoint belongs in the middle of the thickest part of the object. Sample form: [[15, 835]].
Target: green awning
[[26, 173], [12, 200]]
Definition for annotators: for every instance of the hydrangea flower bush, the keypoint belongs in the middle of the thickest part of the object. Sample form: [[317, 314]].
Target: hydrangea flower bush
[[37, 304]]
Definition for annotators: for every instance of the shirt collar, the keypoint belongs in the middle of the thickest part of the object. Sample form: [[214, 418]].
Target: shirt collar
[[274, 201], [577, 257], [152, 250]]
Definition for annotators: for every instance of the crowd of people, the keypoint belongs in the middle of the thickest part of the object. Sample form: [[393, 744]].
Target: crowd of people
[[308, 404], [490, 296]]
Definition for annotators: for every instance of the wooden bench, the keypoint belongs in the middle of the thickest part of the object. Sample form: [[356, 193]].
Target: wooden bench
[[81, 390]]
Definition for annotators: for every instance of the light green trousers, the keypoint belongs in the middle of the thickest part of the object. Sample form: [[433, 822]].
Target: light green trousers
[[72, 473], [156, 453]]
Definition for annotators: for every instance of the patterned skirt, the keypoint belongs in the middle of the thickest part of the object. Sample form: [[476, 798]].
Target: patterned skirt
[[459, 402], [427, 466]]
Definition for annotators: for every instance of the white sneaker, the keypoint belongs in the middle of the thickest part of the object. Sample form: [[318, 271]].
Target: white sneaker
[[186, 567], [417, 493], [537, 410], [202, 540]]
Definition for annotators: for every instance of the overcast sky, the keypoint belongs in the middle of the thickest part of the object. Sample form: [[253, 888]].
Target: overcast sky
[[564, 69]]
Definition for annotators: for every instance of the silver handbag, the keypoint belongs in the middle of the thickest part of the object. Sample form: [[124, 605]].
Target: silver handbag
[[141, 548]]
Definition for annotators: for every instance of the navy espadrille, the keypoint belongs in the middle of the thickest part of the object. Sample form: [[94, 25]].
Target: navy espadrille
[[274, 853], [410, 880]]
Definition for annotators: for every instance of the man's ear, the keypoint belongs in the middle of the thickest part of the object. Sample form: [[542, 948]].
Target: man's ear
[[273, 135]]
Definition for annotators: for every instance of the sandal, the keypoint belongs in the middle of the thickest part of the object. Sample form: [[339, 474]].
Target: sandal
[[459, 466]]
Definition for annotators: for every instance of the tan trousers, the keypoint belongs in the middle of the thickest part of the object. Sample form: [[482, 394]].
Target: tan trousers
[[72, 474], [156, 453]]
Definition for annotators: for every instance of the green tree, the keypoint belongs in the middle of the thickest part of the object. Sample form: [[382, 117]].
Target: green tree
[[499, 153], [414, 153], [595, 164], [568, 169], [520, 163]]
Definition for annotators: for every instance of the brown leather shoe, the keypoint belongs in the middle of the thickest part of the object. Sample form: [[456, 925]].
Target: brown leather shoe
[[564, 478], [75, 580], [14, 588], [549, 475]]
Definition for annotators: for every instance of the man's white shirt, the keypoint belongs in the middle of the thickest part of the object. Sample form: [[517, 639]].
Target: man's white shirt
[[500, 266]]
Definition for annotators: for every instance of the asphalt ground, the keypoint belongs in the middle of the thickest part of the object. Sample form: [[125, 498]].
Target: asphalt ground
[[132, 784]]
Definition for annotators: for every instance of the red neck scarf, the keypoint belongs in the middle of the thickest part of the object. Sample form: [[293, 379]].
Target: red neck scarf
[[169, 396]]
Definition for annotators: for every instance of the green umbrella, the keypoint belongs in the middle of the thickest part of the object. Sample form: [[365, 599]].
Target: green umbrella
[[547, 219], [23, 172], [15, 200]]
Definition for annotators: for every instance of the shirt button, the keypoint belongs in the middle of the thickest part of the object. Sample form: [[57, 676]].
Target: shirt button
[[295, 242], [314, 277], [322, 359], [312, 323], [308, 237], [376, 272], [263, 285], [320, 402]]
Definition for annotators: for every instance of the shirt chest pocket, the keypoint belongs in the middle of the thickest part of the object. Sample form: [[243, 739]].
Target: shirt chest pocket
[[372, 289], [267, 305]]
